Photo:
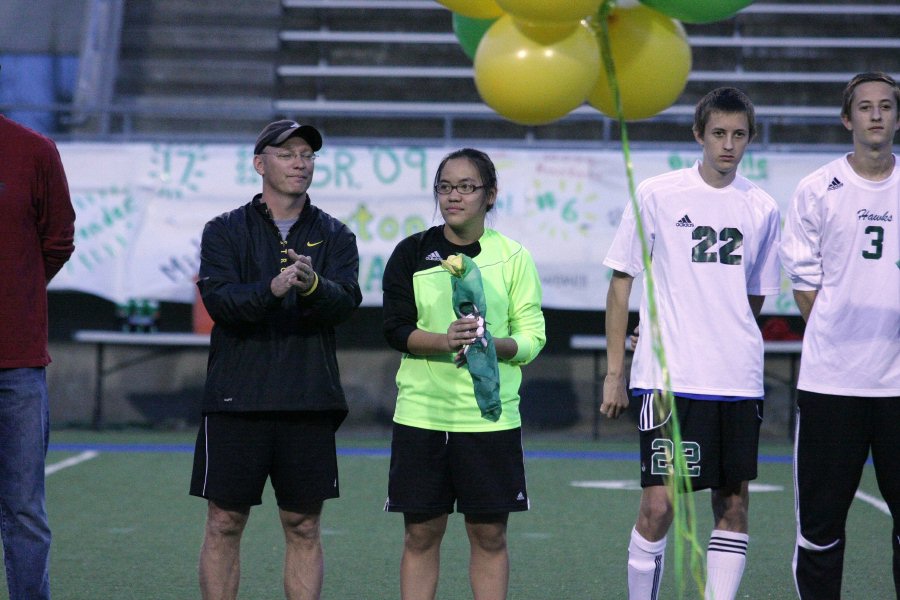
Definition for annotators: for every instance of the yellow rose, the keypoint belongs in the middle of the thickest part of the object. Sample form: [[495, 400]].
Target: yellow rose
[[455, 265]]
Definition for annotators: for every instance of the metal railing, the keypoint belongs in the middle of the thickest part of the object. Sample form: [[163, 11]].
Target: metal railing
[[757, 7], [450, 114], [96, 113]]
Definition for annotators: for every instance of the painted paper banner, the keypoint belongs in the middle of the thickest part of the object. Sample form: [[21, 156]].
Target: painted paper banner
[[141, 210]]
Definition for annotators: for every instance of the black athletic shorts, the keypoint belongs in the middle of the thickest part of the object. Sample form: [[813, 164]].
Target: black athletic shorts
[[236, 452], [720, 440], [481, 472]]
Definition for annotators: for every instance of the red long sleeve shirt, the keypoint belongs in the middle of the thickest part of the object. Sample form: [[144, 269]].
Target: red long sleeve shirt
[[37, 227]]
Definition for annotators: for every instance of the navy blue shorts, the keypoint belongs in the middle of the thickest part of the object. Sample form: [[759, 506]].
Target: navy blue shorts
[[480, 472], [720, 440], [237, 452]]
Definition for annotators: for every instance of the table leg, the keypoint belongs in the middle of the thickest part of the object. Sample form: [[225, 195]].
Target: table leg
[[596, 398], [792, 395], [97, 419]]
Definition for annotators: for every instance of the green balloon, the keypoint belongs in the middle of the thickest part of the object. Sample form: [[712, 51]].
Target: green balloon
[[698, 11], [469, 32]]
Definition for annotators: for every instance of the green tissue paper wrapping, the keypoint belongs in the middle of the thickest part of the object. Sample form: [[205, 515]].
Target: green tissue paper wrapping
[[481, 357]]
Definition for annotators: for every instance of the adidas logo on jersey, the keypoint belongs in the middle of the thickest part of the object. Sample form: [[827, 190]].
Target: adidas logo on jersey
[[684, 221], [435, 256], [835, 184]]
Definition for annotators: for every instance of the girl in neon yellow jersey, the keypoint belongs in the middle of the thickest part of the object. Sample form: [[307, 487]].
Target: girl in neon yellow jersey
[[444, 455]]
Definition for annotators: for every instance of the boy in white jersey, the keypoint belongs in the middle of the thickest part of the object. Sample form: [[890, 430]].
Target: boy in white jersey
[[841, 249], [712, 236]]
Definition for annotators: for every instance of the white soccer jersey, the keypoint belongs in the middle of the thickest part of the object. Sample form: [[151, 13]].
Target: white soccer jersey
[[842, 238], [710, 248]]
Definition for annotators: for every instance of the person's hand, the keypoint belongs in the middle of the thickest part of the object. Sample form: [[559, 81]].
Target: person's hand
[[615, 397], [306, 276], [470, 325], [463, 331], [299, 275], [633, 338]]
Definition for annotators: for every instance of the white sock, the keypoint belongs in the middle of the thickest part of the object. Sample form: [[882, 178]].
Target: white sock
[[725, 559], [645, 567]]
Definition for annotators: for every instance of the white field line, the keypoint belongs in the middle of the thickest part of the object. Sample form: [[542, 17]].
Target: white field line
[[634, 484], [70, 462], [879, 504]]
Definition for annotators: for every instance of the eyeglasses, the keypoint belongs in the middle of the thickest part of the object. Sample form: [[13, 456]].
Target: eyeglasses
[[290, 156], [465, 188]]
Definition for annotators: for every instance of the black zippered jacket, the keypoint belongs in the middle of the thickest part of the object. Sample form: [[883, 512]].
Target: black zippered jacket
[[269, 353]]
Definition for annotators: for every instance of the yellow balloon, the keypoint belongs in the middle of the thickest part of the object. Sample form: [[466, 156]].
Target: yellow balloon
[[546, 11], [652, 58], [532, 74], [476, 9]]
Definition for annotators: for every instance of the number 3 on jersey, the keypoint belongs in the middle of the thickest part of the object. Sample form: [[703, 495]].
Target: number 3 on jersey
[[877, 242], [707, 238]]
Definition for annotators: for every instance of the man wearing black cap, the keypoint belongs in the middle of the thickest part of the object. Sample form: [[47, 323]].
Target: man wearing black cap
[[276, 276]]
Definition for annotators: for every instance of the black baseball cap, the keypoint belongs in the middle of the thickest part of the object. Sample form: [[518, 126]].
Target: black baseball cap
[[277, 132]]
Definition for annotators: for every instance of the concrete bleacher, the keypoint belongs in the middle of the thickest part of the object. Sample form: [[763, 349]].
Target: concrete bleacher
[[341, 56], [197, 66], [392, 69], [367, 70]]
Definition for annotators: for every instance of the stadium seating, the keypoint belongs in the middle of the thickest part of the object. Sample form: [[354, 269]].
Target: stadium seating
[[393, 69]]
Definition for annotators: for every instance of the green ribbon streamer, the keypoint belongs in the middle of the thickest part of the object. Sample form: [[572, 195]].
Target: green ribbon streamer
[[678, 482]]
